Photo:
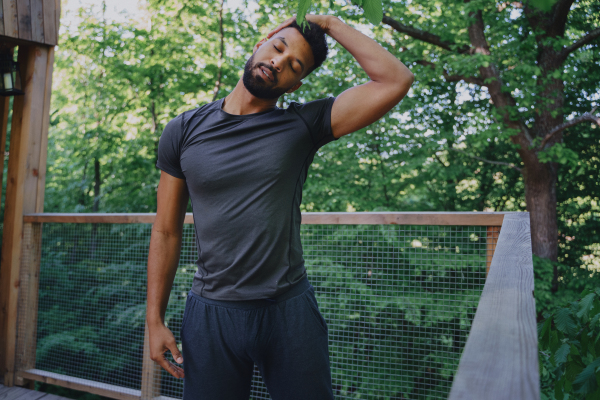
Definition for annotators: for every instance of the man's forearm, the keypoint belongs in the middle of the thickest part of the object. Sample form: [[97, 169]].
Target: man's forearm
[[163, 259], [379, 64]]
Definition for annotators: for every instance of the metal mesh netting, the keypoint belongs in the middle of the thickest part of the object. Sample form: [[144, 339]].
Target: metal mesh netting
[[398, 300]]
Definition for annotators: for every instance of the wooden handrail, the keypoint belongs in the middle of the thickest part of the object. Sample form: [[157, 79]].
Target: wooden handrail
[[312, 218], [500, 358]]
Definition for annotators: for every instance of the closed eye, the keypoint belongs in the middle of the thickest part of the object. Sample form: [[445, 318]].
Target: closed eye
[[279, 51]]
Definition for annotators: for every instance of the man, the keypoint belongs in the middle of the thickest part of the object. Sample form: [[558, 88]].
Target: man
[[243, 162]]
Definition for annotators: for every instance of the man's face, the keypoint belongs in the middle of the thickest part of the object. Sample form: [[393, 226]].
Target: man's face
[[278, 65]]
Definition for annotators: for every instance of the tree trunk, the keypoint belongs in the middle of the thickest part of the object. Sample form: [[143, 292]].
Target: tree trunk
[[97, 184], [540, 195]]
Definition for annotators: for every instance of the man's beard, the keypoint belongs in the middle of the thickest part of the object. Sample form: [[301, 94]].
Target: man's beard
[[257, 85]]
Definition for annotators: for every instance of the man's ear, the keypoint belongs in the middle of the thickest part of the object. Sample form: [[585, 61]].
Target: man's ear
[[295, 87], [263, 40]]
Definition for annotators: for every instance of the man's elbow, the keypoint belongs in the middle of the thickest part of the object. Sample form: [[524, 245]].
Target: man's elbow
[[404, 82]]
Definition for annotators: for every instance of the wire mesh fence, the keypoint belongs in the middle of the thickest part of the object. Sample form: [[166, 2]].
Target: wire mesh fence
[[398, 301]]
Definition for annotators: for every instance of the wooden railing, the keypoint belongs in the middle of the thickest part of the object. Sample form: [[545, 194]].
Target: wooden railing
[[500, 357]]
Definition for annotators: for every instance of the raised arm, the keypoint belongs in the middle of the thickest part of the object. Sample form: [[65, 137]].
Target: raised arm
[[364, 104], [163, 258]]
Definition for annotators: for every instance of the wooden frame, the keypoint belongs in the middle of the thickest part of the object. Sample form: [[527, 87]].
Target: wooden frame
[[503, 337]]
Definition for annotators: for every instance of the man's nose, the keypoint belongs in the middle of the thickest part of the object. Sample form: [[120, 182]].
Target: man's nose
[[276, 63]]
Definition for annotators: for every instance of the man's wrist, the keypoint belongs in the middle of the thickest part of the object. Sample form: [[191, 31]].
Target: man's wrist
[[332, 21], [154, 320]]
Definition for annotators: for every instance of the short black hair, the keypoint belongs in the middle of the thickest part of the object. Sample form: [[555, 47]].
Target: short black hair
[[315, 37]]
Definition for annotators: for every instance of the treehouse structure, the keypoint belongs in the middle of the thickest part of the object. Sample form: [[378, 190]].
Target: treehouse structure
[[29, 30], [418, 305]]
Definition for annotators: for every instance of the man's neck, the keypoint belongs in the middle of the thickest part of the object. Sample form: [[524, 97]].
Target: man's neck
[[241, 102]]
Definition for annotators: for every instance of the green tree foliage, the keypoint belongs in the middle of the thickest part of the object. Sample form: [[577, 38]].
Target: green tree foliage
[[445, 147], [569, 341]]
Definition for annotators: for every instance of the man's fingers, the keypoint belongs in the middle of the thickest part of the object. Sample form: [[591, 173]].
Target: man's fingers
[[281, 26], [171, 368], [175, 352]]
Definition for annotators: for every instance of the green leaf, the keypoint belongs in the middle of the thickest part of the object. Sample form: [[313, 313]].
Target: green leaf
[[585, 305], [373, 11], [564, 322], [303, 6], [561, 354], [586, 380]]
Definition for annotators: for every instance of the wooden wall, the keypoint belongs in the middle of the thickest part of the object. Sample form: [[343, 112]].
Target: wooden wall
[[31, 20]]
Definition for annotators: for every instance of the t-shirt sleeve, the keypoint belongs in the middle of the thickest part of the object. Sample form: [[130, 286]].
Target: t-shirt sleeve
[[169, 148], [317, 117]]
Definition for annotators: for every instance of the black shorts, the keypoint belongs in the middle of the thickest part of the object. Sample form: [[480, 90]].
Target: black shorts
[[285, 337]]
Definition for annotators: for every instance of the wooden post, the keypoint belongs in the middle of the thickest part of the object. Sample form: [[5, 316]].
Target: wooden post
[[28, 300], [150, 372], [24, 191], [493, 232]]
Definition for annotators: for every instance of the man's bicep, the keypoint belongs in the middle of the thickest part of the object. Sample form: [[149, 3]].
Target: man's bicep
[[362, 105], [172, 198]]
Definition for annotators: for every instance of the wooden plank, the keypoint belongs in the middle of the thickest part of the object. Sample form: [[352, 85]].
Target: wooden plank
[[14, 393], [85, 385], [2, 17], [37, 21], [4, 389], [492, 234], [50, 396], [11, 20], [57, 17], [500, 358], [24, 20], [50, 26], [31, 395], [150, 372], [26, 109], [334, 218]]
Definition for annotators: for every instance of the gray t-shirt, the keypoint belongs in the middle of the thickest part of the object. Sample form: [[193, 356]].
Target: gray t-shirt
[[245, 175]]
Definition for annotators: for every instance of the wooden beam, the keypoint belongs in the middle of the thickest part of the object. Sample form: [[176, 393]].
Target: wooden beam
[[500, 358], [333, 218], [11, 20], [403, 218], [150, 372], [27, 111], [85, 385], [28, 298]]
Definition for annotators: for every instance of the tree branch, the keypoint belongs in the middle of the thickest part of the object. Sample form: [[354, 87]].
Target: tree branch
[[220, 62], [588, 116], [595, 34], [502, 101], [454, 78], [422, 35], [510, 165]]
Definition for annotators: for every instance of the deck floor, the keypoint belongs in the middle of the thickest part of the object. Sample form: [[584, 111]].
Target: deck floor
[[19, 393]]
